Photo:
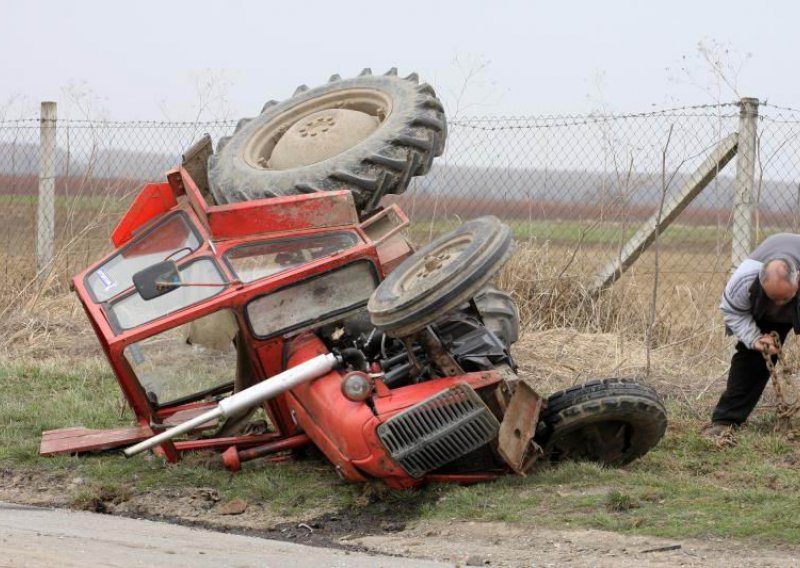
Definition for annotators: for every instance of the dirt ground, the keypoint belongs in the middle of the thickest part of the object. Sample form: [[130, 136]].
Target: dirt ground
[[457, 542], [502, 544]]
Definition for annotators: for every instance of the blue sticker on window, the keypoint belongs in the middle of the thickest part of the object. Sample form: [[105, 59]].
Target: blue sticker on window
[[105, 280]]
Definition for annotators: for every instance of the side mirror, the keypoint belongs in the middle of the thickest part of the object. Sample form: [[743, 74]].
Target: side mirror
[[157, 280]]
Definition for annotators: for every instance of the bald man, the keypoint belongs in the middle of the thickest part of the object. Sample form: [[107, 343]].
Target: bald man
[[759, 298]]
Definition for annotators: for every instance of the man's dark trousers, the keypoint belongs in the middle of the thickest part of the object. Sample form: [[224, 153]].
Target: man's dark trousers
[[746, 379]]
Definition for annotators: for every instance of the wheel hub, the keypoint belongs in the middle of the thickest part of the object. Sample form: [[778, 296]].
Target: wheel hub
[[321, 135], [433, 264]]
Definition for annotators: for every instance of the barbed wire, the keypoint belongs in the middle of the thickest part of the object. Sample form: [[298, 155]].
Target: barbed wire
[[563, 120], [86, 123], [18, 120], [468, 122], [777, 107], [499, 123], [534, 122], [657, 112]]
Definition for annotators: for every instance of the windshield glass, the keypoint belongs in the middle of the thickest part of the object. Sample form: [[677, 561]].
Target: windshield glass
[[254, 261], [172, 238], [132, 310], [196, 357], [316, 300]]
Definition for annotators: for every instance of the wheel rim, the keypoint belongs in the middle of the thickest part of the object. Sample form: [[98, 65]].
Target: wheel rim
[[434, 264], [440, 276], [317, 129]]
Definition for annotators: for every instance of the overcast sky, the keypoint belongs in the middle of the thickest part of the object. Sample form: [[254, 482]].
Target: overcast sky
[[174, 60]]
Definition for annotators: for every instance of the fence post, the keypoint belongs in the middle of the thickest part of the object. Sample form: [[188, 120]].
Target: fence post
[[46, 214], [743, 206]]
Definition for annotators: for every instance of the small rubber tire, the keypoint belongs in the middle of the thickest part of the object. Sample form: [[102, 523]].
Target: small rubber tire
[[411, 131], [500, 314], [610, 421], [440, 276]]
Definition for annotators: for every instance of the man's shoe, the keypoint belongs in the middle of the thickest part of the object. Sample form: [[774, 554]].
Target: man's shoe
[[720, 434]]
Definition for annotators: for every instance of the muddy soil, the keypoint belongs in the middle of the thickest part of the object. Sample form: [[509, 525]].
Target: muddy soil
[[381, 528]]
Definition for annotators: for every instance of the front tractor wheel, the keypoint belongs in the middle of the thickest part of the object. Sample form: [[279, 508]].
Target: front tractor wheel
[[440, 277], [611, 421]]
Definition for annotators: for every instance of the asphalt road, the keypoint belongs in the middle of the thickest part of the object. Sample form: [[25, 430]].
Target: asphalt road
[[54, 538]]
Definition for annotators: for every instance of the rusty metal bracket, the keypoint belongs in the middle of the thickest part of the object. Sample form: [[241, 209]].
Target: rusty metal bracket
[[195, 161], [438, 354], [515, 442]]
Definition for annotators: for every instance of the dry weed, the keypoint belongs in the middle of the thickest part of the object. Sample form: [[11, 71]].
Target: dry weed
[[569, 334]]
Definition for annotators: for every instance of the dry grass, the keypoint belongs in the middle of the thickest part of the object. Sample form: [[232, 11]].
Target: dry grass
[[47, 327], [569, 334], [552, 285], [86, 211]]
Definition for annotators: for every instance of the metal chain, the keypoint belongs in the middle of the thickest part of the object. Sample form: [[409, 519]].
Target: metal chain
[[786, 410]]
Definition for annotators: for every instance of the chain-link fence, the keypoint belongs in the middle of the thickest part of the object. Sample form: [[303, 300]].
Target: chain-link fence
[[575, 189], [97, 169]]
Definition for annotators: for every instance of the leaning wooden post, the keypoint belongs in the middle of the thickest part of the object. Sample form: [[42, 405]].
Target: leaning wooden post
[[744, 207], [660, 220], [46, 214]]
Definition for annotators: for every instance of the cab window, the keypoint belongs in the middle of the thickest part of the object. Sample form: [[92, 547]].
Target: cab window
[[171, 238], [320, 299], [190, 361], [131, 310], [253, 261]]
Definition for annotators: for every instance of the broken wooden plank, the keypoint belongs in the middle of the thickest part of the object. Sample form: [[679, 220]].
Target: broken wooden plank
[[80, 440]]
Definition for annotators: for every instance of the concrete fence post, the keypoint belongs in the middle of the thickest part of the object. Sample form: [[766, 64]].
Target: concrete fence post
[[46, 212], [744, 207]]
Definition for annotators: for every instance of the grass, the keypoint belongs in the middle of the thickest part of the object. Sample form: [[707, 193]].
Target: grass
[[684, 488], [37, 398], [573, 231], [593, 232]]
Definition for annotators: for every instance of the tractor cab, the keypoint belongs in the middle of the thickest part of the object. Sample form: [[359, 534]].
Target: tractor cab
[[245, 277]]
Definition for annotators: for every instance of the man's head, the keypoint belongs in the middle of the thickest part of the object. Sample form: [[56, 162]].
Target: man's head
[[779, 279]]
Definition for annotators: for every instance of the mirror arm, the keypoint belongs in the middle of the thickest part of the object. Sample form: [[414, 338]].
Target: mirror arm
[[169, 285]]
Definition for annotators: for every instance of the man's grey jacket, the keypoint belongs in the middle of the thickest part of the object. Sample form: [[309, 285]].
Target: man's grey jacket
[[743, 301]]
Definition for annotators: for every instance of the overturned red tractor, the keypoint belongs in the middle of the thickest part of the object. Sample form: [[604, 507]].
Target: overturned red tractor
[[262, 300]]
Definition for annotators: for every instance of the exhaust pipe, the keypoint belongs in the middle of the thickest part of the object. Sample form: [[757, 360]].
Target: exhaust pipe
[[248, 398]]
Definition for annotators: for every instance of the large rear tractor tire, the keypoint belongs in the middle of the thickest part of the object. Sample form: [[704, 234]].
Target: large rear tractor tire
[[370, 134], [611, 421]]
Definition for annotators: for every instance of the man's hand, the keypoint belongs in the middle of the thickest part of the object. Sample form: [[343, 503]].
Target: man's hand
[[766, 342]]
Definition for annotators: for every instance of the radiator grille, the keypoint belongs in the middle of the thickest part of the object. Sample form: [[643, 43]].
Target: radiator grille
[[439, 430]]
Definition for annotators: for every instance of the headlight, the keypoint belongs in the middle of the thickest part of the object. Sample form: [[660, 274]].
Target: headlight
[[356, 386]]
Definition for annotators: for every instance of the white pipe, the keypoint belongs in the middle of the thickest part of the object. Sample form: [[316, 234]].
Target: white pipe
[[249, 397], [181, 428], [272, 387]]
